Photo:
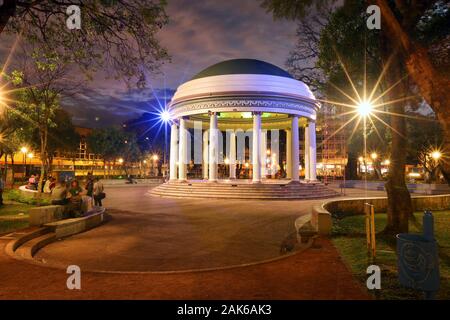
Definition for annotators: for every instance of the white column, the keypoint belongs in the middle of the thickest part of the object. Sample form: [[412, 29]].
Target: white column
[[312, 151], [256, 153], [182, 154], [232, 155], [274, 151], [205, 154], [307, 170], [288, 154], [263, 153], [213, 147], [295, 149], [173, 152]]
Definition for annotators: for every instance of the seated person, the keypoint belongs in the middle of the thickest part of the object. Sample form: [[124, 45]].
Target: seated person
[[74, 195], [47, 185], [52, 184], [59, 193], [32, 183]]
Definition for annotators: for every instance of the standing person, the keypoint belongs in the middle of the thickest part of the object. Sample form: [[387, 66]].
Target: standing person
[[99, 193], [89, 185]]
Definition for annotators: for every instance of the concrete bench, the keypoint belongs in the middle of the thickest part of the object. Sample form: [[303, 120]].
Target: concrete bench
[[39, 216], [45, 214], [32, 193], [68, 227]]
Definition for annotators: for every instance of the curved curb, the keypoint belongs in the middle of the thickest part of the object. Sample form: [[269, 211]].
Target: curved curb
[[34, 261], [322, 214], [33, 241]]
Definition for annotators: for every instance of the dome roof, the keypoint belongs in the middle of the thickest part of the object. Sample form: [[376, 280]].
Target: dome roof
[[242, 66]]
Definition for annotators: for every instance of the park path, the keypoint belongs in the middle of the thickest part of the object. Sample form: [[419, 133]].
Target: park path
[[317, 273]]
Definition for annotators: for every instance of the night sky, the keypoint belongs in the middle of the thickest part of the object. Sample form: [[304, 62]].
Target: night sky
[[200, 33]]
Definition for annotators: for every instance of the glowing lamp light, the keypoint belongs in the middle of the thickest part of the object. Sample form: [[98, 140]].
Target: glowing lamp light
[[374, 155], [30, 155], [155, 157], [145, 161], [24, 149], [227, 161], [165, 116], [361, 159], [121, 160], [364, 108], [436, 155], [247, 165], [387, 162]]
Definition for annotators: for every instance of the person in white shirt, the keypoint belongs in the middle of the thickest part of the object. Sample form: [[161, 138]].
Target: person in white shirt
[[47, 185], [98, 192]]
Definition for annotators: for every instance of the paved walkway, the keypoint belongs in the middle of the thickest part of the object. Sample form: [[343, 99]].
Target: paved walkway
[[159, 234], [147, 234], [317, 273]]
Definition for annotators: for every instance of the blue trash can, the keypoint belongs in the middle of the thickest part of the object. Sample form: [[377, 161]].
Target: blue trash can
[[418, 262]]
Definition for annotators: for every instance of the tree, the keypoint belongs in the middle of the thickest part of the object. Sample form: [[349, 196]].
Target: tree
[[432, 79], [420, 30], [62, 137], [110, 143], [37, 97], [347, 48], [115, 35]]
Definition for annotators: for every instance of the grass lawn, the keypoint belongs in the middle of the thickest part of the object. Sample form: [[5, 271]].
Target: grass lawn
[[10, 219], [348, 235]]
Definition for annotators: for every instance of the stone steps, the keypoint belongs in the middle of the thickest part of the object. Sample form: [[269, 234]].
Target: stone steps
[[28, 249], [243, 191]]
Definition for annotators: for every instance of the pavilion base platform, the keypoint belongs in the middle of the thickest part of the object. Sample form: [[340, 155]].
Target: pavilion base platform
[[244, 189]]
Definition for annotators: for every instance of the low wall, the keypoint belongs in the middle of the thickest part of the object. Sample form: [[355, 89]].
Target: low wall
[[46, 214], [32, 193], [420, 188], [68, 227], [322, 215], [124, 182], [39, 216]]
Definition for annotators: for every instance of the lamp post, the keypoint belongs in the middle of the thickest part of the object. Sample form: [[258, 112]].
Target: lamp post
[[24, 151], [364, 109], [166, 118], [155, 164]]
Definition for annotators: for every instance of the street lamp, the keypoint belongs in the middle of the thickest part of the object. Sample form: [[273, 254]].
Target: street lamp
[[166, 118], [436, 155], [24, 151], [374, 156], [364, 109]]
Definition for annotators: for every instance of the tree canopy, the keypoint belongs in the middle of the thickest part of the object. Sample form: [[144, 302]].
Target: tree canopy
[[116, 36]]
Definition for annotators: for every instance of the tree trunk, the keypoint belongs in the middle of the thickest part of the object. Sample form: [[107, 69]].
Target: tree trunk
[[351, 169], [12, 170], [399, 200], [433, 85]]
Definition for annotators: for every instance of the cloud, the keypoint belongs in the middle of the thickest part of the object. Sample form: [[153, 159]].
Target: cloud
[[199, 34]]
